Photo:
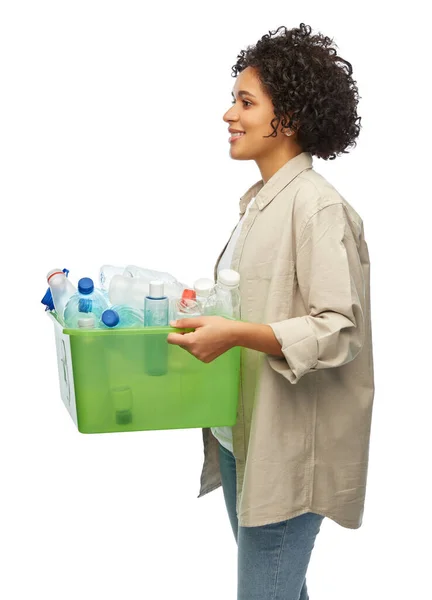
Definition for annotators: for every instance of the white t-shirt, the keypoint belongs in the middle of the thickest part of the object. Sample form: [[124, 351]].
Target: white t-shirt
[[224, 434]]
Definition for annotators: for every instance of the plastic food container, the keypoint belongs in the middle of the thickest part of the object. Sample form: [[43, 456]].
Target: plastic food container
[[133, 380]]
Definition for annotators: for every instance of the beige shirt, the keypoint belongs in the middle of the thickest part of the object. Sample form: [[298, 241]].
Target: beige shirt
[[301, 439]]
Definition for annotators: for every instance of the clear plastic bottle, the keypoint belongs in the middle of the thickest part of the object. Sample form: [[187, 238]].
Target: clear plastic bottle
[[122, 316], [156, 305], [85, 302], [61, 291], [203, 287], [122, 400], [107, 272], [187, 306], [128, 290], [172, 287], [224, 299]]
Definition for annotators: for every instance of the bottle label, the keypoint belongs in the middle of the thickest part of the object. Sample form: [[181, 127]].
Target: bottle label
[[85, 305]]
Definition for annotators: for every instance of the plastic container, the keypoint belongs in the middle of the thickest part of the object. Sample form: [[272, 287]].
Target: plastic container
[[105, 384]]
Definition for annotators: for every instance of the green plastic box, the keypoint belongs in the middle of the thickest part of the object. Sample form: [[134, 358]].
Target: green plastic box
[[133, 380]]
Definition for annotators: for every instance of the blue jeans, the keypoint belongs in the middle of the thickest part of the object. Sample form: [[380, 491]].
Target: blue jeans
[[272, 559]]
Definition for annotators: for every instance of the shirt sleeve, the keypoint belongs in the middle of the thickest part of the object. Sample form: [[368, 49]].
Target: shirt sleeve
[[331, 283]]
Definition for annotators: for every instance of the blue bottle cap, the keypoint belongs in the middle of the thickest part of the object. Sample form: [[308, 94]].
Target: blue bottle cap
[[85, 285], [47, 300], [110, 317]]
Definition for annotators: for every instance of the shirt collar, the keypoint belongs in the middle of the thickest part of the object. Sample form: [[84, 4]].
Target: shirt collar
[[264, 193]]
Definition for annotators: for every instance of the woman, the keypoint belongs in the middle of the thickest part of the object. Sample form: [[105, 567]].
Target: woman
[[299, 449]]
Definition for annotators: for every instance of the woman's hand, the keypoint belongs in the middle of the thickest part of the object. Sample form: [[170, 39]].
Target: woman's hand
[[212, 336]]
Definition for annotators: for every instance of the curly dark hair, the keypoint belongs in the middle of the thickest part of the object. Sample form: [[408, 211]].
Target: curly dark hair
[[310, 85]]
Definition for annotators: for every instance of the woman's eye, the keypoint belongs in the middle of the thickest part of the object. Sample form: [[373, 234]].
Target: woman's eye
[[244, 101]]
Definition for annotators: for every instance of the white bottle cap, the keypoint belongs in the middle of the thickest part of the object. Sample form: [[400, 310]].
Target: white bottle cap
[[87, 323], [156, 289], [203, 286], [229, 277]]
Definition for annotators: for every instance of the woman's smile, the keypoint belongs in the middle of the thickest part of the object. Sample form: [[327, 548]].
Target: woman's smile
[[236, 136]]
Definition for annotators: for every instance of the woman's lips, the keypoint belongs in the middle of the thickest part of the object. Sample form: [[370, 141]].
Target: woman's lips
[[235, 137]]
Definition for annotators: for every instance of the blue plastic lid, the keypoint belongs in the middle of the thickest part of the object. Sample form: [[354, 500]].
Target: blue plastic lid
[[85, 285], [47, 300], [110, 317]]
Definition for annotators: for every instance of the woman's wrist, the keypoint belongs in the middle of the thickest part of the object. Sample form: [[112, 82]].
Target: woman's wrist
[[256, 336]]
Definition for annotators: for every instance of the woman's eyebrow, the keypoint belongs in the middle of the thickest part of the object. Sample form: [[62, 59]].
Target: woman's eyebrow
[[243, 93]]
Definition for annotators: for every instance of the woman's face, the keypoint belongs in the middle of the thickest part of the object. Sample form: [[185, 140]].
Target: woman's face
[[251, 113]]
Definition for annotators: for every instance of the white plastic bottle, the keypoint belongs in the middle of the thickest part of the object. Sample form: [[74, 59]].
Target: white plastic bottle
[[224, 299], [61, 290]]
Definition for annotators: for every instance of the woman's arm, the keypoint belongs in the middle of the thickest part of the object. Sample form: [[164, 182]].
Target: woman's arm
[[256, 337]]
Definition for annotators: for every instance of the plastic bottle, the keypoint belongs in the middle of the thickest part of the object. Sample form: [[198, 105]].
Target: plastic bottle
[[122, 316], [86, 323], [156, 305], [172, 287], [187, 306], [85, 302], [61, 291], [156, 313], [107, 272], [128, 290], [224, 299], [47, 300], [203, 287], [122, 400]]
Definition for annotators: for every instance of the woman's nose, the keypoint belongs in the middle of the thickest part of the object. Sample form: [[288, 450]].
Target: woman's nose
[[230, 115]]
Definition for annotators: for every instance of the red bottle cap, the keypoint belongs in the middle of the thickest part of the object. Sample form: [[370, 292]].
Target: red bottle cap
[[189, 294]]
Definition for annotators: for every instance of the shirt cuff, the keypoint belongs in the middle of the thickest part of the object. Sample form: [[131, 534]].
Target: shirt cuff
[[299, 347]]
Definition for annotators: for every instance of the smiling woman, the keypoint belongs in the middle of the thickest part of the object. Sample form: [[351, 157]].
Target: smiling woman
[[299, 450]]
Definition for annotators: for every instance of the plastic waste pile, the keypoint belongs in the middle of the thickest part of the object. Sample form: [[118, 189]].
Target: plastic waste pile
[[135, 297]]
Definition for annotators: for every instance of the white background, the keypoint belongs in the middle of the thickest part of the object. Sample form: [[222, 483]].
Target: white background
[[113, 150]]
